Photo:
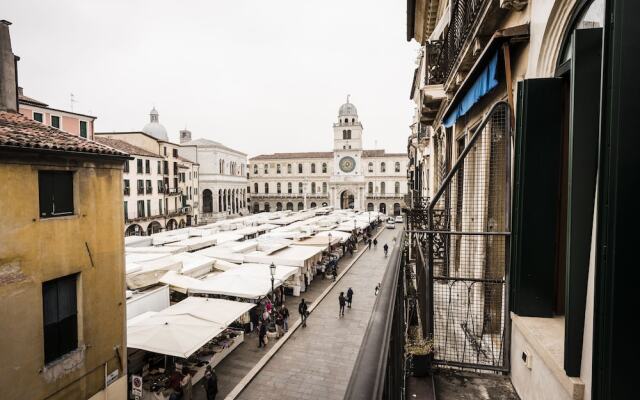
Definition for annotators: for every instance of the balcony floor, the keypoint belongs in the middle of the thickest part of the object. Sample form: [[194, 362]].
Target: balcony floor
[[458, 385]]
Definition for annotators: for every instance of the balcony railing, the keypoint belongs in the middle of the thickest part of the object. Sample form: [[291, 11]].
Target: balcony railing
[[140, 190], [464, 14], [384, 195], [127, 191], [289, 195]]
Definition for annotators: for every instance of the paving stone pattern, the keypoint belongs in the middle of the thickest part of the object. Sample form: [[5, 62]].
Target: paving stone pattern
[[237, 364], [316, 362]]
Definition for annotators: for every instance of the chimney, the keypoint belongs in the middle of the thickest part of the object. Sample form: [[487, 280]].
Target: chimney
[[185, 136], [8, 71]]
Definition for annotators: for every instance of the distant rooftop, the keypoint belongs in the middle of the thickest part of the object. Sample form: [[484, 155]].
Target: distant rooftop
[[18, 132], [126, 147]]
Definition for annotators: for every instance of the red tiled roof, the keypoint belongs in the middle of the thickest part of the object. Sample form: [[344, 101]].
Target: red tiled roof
[[126, 147], [20, 132], [30, 100]]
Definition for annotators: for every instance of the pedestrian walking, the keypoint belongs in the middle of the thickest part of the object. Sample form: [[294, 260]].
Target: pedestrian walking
[[210, 383], [349, 297], [377, 288], [302, 309], [342, 301], [375, 242], [369, 241], [262, 332], [279, 325], [386, 249], [285, 317], [334, 273], [186, 385]]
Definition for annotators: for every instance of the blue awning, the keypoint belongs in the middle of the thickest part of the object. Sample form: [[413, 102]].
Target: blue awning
[[482, 85]]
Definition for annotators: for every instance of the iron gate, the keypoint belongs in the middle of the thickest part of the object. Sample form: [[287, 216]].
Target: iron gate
[[466, 246]]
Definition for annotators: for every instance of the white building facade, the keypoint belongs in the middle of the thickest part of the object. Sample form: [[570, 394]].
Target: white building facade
[[347, 177], [161, 189], [222, 177]]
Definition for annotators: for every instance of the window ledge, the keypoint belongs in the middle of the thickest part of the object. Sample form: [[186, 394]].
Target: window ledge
[[546, 337], [58, 217], [64, 365]]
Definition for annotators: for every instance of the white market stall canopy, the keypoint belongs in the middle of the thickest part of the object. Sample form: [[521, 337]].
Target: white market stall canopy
[[340, 235], [143, 274], [194, 265], [320, 241], [262, 271], [221, 253], [194, 243], [245, 285], [164, 239], [223, 312], [175, 335], [134, 241], [155, 249], [152, 299], [296, 256]]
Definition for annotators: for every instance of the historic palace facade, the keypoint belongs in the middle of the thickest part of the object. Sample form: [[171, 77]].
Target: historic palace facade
[[347, 177]]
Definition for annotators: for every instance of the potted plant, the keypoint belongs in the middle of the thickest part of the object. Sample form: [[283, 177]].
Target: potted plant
[[420, 353]]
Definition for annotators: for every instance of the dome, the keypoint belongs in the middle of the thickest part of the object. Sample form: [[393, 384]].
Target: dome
[[347, 109], [154, 127]]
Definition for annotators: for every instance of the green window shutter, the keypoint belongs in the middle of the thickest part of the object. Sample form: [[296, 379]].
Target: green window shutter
[[535, 205]]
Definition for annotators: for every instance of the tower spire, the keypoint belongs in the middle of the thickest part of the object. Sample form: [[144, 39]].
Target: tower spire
[[348, 97]]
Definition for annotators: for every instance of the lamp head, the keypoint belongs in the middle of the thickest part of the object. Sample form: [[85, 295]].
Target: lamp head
[[272, 269]]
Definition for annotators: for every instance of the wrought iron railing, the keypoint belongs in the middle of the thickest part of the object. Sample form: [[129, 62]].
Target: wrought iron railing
[[461, 256], [464, 14]]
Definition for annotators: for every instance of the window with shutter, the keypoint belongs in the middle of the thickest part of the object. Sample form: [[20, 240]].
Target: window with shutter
[[59, 310], [55, 193]]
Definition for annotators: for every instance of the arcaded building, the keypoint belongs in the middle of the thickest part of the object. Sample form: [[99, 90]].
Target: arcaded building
[[346, 177]]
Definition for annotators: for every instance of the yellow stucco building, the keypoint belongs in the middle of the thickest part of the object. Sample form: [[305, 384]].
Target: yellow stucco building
[[62, 290]]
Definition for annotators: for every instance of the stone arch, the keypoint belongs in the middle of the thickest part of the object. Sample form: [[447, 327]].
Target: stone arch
[[182, 223], [370, 207], [219, 200], [552, 39], [382, 208], [347, 200], [267, 207], [154, 227], [312, 205], [134, 230], [172, 224], [300, 206], [278, 206], [256, 207], [207, 201], [396, 209], [290, 206]]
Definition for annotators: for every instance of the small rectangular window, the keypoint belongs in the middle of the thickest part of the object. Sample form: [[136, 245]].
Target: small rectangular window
[[140, 208], [55, 193], [159, 168], [38, 117], [126, 166], [55, 121], [126, 211], [139, 166], [175, 153], [83, 129], [147, 166], [60, 317]]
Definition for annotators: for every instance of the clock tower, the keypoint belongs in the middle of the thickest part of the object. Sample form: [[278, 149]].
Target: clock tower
[[347, 182]]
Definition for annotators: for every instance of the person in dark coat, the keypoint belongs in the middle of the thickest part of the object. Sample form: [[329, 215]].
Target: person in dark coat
[[210, 383], [262, 332], [342, 301], [349, 297], [302, 309]]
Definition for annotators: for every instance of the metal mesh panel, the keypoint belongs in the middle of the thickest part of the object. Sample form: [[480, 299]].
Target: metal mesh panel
[[467, 248]]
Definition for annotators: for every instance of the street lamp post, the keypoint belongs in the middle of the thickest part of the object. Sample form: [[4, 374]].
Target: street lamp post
[[272, 270], [329, 252]]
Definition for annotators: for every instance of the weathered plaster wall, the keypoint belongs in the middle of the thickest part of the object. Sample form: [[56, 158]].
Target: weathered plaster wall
[[34, 250]]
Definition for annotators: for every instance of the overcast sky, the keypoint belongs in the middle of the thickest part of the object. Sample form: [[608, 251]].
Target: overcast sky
[[259, 76]]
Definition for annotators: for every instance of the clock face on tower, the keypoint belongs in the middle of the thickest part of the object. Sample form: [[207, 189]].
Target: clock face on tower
[[347, 164]]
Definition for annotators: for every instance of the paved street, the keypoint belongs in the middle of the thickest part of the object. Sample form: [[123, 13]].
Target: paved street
[[233, 368], [316, 361]]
